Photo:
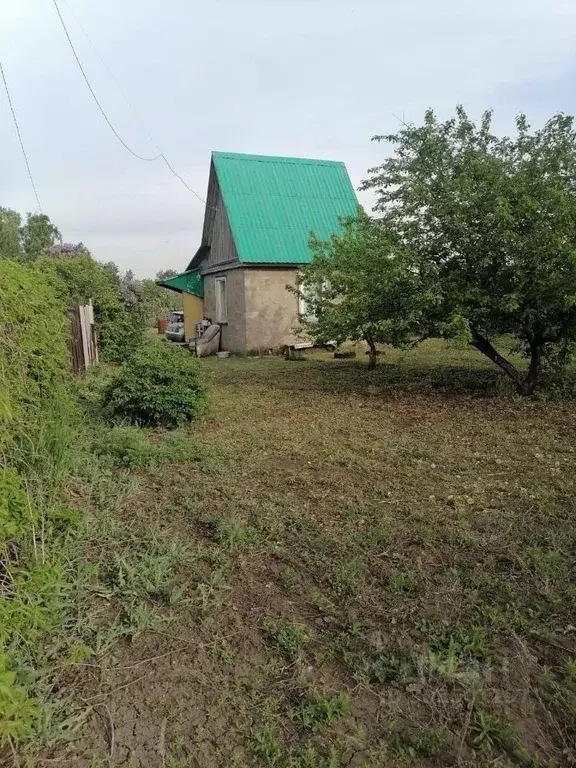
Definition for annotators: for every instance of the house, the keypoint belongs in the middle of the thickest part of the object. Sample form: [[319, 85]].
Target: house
[[259, 214]]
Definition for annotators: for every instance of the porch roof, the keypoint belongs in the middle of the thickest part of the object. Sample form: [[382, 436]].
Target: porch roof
[[186, 282]]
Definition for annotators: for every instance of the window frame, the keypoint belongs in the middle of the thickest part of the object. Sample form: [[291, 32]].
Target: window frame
[[221, 299], [304, 308]]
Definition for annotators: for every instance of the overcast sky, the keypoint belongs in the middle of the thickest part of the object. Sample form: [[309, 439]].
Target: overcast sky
[[310, 78]]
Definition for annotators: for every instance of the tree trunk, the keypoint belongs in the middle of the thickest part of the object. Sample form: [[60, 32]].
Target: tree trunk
[[373, 353], [524, 386], [531, 379]]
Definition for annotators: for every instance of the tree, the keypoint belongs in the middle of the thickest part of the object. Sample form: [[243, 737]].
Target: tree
[[38, 235], [129, 290], [112, 269], [67, 251], [490, 226], [157, 301], [10, 247], [362, 284], [166, 274]]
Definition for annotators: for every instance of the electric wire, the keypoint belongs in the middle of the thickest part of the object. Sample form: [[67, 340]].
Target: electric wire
[[160, 155], [20, 136]]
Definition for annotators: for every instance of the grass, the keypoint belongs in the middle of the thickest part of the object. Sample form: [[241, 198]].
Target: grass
[[348, 568]]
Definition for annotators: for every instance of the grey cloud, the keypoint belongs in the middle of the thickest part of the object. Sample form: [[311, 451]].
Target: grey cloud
[[304, 77]]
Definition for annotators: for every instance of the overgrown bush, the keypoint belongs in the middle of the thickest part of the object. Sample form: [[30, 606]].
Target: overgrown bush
[[37, 419], [159, 386], [78, 279], [34, 364]]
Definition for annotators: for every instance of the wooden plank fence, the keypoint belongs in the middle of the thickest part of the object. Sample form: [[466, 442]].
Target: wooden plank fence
[[83, 339]]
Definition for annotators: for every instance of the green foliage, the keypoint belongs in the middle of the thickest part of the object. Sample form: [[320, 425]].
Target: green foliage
[[360, 285], [166, 274], [288, 577], [126, 447], [129, 447], [157, 302], [145, 570], [491, 225], [570, 671], [493, 734], [34, 361], [81, 278], [464, 642], [388, 667], [160, 386], [16, 515], [313, 712], [234, 534], [311, 758], [475, 239], [266, 745], [25, 243], [18, 710], [38, 234], [37, 416], [403, 582], [10, 247], [289, 638]]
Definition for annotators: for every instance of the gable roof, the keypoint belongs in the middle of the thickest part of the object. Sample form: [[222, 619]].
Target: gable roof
[[274, 203]]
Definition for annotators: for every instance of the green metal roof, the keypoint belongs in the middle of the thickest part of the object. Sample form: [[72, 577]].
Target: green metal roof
[[186, 282], [274, 203]]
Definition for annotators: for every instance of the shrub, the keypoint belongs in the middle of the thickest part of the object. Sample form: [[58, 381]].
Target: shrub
[[159, 386], [35, 400], [37, 420], [78, 279]]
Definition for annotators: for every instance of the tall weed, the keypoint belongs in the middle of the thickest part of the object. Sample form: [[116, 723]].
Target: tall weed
[[38, 420]]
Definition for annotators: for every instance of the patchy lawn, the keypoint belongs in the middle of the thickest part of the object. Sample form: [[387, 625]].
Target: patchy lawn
[[350, 568]]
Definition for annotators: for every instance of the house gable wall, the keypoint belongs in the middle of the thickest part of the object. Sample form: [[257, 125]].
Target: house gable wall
[[217, 232], [271, 310], [262, 314]]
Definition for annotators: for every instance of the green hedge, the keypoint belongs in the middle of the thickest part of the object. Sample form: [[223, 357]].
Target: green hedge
[[34, 360], [37, 428]]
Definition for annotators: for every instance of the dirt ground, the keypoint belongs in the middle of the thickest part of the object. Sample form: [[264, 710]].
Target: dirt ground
[[377, 571]]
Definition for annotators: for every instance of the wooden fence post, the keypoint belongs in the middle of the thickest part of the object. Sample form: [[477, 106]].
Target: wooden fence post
[[83, 339]]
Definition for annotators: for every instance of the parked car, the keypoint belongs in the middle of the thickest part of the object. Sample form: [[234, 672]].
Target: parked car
[[175, 328]]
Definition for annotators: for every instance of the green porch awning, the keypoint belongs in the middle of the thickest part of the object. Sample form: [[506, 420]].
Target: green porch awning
[[186, 282]]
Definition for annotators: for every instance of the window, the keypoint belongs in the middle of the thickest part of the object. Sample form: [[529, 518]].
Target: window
[[308, 297], [221, 302], [304, 308]]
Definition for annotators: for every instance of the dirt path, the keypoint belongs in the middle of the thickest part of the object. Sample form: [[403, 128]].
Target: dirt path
[[362, 564]]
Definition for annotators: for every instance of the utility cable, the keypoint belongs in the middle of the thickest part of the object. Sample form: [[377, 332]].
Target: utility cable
[[100, 107], [122, 92], [20, 137], [160, 155]]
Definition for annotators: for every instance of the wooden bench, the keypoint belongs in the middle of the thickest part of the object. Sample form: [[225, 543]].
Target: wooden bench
[[290, 350]]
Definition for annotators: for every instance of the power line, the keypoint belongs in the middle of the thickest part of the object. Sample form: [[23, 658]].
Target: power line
[[111, 75], [160, 155], [20, 137], [100, 107]]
